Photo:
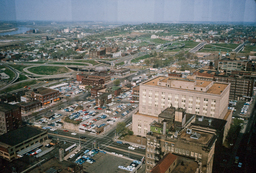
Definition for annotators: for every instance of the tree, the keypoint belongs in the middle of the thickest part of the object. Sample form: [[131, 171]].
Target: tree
[[147, 62], [117, 82], [120, 127]]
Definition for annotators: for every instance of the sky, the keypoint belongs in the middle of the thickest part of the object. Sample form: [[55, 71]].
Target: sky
[[154, 11]]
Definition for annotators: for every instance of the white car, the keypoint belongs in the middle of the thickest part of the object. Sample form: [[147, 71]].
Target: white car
[[73, 134], [53, 129], [71, 156], [131, 148]]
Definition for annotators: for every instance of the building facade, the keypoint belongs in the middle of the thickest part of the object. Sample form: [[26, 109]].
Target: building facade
[[23, 140], [10, 117], [207, 98]]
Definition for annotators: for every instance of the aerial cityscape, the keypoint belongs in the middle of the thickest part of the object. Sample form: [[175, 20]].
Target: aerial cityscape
[[118, 86]]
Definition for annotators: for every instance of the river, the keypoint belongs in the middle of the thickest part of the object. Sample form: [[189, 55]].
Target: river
[[20, 30]]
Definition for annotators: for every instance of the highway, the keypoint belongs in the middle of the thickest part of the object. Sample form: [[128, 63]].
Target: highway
[[17, 75], [240, 47], [197, 47]]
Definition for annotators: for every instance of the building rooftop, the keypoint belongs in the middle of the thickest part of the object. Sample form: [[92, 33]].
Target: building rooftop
[[203, 138], [185, 165], [210, 122], [4, 107], [29, 103], [164, 163], [215, 88], [45, 91], [19, 135]]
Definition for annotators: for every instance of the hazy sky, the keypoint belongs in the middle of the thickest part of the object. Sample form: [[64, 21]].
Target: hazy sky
[[129, 10]]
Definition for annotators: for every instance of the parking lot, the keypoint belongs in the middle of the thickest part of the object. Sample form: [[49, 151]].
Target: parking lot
[[87, 117]]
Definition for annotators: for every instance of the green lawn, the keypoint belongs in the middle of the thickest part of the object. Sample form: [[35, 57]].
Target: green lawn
[[158, 41], [19, 67], [135, 60], [8, 72], [22, 77], [248, 48], [189, 44], [18, 86], [121, 63], [88, 61], [48, 70], [230, 46]]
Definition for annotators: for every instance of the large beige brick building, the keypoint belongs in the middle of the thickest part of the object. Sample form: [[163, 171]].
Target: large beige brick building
[[207, 98]]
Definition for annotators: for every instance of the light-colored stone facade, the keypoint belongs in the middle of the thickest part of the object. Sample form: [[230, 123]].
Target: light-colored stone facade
[[207, 98]]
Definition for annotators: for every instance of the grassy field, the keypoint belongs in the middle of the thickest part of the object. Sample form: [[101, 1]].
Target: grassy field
[[248, 48], [189, 44], [158, 41], [8, 72], [135, 60], [48, 70], [121, 63], [230, 46], [18, 86], [19, 67], [88, 61], [22, 77]]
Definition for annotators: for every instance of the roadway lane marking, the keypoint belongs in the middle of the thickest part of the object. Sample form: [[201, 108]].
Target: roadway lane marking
[[129, 151]]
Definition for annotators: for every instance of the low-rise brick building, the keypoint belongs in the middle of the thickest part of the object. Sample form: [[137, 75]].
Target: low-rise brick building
[[10, 117]]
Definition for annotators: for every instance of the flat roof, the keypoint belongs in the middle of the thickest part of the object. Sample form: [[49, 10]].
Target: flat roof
[[154, 81], [214, 123], [188, 166], [43, 91], [217, 88], [202, 83], [4, 107], [227, 115], [29, 103], [19, 135], [204, 138]]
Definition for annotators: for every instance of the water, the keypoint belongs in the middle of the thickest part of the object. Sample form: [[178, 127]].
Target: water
[[20, 30]]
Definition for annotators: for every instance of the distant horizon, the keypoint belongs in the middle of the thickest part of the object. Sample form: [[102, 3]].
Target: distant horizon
[[126, 22], [127, 11]]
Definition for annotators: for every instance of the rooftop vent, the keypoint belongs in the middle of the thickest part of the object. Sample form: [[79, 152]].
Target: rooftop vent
[[210, 121], [201, 119], [189, 131], [195, 136]]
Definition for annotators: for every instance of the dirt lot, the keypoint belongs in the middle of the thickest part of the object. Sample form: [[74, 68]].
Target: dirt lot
[[134, 139]]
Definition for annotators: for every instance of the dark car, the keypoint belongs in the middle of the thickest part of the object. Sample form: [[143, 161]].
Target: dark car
[[83, 137]]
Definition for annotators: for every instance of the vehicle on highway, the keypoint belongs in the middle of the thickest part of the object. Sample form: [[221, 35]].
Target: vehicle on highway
[[73, 134], [119, 142], [131, 148]]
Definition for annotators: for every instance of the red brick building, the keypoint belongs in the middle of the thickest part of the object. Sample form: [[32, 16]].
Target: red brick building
[[10, 117], [92, 81], [44, 95], [30, 106]]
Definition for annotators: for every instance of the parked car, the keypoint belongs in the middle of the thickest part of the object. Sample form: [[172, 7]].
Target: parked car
[[131, 148]]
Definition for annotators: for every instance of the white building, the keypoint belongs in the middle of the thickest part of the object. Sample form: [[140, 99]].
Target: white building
[[207, 98]]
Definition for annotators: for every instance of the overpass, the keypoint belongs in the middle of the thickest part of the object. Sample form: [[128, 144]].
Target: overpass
[[240, 47], [197, 47]]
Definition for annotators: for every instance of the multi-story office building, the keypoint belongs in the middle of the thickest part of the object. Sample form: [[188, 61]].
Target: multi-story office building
[[10, 117], [187, 135], [241, 83], [207, 98]]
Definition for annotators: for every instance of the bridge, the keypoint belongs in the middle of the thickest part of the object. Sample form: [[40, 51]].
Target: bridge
[[197, 47], [240, 47]]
